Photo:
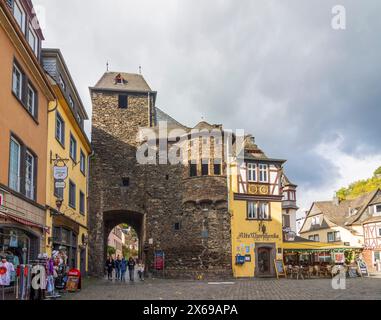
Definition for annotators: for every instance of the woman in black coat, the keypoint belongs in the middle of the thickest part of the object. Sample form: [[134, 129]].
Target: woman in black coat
[[110, 265]]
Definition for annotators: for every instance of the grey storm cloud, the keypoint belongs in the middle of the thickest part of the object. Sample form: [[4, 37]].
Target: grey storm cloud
[[275, 68]]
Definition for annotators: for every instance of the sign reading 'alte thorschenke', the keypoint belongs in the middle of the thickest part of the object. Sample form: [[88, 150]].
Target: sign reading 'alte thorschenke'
[[253, 235]]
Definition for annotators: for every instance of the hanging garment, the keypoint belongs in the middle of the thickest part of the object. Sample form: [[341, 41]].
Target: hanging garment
[[6, 270]]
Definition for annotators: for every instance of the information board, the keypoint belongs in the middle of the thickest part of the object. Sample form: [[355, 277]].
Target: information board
[[280, 269], [363, 268]]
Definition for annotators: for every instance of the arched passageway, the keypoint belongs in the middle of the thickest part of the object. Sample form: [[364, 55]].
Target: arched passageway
[[111, 219]]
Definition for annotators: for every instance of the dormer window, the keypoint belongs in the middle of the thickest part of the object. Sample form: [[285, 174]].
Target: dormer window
[[315, 221], [119, 79], [377, 210]]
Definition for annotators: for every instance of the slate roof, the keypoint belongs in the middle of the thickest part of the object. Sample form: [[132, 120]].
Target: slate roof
[[339, 214], [132, 82]]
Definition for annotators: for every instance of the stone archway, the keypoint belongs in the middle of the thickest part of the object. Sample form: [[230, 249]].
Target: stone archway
[[109, 220]]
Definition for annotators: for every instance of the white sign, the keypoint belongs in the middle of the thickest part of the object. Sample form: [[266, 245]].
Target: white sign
[[60, 173], [1, 199], [60, 185]]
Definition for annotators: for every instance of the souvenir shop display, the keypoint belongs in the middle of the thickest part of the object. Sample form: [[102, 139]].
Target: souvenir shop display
[[6, 272]]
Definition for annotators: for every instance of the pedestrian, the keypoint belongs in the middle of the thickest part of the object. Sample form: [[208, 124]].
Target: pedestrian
[[141, 270], [131, 268], [110, 267], [117, 268], [123, 269]]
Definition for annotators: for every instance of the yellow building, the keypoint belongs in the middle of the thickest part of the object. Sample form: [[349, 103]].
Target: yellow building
[[68, 150], [256, 208]]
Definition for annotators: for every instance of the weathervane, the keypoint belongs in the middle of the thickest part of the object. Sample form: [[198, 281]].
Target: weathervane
[[140, 69], [107, 65]]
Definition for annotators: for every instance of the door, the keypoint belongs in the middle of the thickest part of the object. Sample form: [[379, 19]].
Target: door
[[264, 262], [83, 262]]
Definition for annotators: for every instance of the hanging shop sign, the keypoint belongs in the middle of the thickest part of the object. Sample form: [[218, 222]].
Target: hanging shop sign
[[60, 173], [1, 199], [60, 184], [258, 236]]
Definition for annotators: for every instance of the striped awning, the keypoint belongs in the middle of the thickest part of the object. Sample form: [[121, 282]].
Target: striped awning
[[23, 221]]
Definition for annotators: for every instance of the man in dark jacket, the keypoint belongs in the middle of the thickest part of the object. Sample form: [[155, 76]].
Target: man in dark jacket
[[109, 267], [117, 268], [131, 268]]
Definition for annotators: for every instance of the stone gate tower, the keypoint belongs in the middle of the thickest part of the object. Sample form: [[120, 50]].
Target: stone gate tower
[[180, 209]]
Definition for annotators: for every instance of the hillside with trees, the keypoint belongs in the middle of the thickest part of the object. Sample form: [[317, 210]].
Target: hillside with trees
[[361, 187]]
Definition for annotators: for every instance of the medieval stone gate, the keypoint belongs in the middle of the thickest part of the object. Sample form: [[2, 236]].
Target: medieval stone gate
[[186, 216]]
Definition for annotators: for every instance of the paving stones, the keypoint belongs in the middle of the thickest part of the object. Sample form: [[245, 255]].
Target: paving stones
[[255, 289]]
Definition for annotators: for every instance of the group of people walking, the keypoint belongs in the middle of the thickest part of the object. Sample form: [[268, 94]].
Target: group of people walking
[[121, 266]]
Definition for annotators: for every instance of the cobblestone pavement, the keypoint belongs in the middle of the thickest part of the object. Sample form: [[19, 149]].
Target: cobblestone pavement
[[256, 289]]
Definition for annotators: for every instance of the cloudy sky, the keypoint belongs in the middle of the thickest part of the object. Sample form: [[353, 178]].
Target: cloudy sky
[[276, 68]]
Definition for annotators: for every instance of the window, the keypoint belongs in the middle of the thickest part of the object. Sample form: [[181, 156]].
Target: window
[[31, 100], [72, 194], [33, 40], [81, 202], [379, 232], [82, 162], [205, 169], [14, 165], [177, 226], [252, 210], [60, 129], [252, 172], [19, 15], [193, 170], [71, 102], [22, 169], [315, 238], [123, 101], [29, 175], [377, 210], [337, 236], [125, 182], [330, 237], [258, 210], [217, 169], [315, 221], [263, 211], [286, 221], [17, 81], [73, 148], [263, 176], [62, 83]]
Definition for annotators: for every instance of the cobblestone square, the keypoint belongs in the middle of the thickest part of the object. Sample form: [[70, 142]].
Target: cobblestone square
[[257, 289]]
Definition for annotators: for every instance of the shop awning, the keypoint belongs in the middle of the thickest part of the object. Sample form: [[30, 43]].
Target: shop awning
[[315, 247], [22, 221]]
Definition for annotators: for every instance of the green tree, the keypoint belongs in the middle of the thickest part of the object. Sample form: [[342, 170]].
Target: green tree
[[110, 251], [361, 187]]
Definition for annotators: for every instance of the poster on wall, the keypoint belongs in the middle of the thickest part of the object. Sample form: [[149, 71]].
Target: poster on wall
[[339, 258]]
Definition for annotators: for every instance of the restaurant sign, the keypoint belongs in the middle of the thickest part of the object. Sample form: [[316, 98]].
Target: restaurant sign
[[60, 173], [258, 236]]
